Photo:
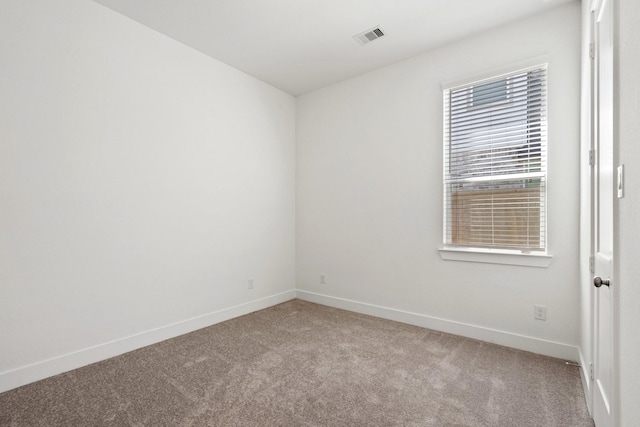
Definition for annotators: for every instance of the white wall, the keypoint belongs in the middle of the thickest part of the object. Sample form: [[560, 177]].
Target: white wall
[[369, 193], [628, 301], [141, 185]]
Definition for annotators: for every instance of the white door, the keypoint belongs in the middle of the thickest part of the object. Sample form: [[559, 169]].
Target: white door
[[603, 214]]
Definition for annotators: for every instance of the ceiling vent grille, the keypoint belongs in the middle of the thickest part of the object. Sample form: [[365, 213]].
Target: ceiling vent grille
[[369, 35]]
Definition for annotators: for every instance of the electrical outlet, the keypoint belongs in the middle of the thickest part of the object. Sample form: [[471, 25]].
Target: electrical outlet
[[323, 279], [540, 312], [250, 283]]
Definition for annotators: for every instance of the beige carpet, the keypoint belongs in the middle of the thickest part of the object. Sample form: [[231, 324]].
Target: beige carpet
[[302, 364]]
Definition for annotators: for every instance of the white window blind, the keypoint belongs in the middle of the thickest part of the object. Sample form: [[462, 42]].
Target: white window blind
[[495, 144]]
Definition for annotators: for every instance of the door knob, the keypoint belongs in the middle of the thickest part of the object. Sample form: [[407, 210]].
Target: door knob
[[597, 282]]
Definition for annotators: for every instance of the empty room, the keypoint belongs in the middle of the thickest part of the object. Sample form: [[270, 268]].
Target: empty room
[[319, 213]]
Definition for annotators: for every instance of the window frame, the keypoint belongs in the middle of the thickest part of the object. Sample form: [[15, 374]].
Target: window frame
[[477, 253]]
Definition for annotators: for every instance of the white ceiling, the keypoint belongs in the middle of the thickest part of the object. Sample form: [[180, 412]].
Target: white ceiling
[[301, 45]]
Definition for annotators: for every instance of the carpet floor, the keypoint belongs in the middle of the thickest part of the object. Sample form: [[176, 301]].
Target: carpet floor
[[303, 364]]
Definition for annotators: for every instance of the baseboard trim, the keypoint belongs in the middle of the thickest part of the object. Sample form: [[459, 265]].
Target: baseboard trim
[[507, 339], [57, 365]]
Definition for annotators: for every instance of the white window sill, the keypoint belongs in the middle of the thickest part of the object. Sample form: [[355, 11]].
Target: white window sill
[[496, 256]]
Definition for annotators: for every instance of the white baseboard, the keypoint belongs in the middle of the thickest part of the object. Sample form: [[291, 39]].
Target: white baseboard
[[507, 339], [57, 365]]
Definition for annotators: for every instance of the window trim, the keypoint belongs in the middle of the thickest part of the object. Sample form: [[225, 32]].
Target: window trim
[[496, 72], [534, 258], [496, 256]]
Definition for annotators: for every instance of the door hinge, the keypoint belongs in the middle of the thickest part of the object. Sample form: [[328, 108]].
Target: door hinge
[[592, 264], [591, 371], [592, 50], [592, 157]]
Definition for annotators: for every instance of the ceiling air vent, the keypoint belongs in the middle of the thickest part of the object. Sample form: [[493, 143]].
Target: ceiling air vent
[[369, 35]]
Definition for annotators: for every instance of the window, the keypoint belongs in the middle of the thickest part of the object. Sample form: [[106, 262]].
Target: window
[[495, 163]]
